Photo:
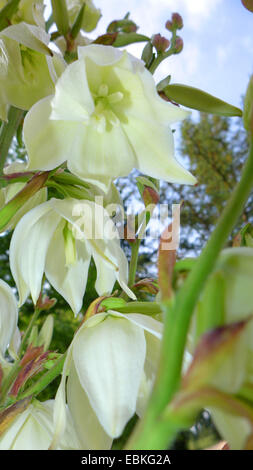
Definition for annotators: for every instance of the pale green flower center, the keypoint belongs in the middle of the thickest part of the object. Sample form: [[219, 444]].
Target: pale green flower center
[[104, 114], [69, 245]]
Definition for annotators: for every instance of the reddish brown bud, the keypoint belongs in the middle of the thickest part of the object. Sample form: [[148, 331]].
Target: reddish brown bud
[[179, 44], [169, 25], [160, 43], [177, 21]]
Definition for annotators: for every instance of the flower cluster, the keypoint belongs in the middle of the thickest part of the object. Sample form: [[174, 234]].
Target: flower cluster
[[88, 112], [92, 117]]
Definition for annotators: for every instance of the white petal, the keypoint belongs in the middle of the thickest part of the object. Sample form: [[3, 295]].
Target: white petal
[[49, 143], [29, 35], [101, 55], [72, 102], [7, 440], [153, 334], [149, 324], [106, 276], [88, 427], [112, 155], [165, 111], [154, 148], [8, 316], [70, 281], [103, 241], [109, 359], [28, 249]]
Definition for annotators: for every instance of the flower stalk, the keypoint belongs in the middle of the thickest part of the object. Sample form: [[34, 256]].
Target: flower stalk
[[150, 434]]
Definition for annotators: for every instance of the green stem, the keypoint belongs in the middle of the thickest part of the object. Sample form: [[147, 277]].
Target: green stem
[[28, 330], [133, 261], [178, 317], [163, 55], [7, 133]]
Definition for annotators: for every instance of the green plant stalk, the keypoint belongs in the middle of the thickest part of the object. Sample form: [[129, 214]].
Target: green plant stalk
[[7, 132], [148, 434], [133, 261], [28, 330], [163, 55]]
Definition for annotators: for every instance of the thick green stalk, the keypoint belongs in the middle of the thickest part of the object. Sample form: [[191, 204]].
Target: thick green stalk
[[7, 133], [177, 319]]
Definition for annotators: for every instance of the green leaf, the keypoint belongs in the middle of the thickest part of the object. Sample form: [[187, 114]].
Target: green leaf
[[147, 54], [11, 208], [78, 23], [163, 83], [6, 13], [60, 14], [200, 100], [123, 39]]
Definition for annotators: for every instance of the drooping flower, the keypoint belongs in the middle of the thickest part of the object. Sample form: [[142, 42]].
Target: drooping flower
[[33, 430], [28, 69], [105, 119], [8, 192], [111, 366], [91, 14], [8, 317], [58, 239]]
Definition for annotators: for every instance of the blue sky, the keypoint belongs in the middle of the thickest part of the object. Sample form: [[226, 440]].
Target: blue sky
[[218, 41]]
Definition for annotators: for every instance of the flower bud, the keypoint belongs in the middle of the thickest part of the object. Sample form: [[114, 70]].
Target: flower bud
[[169, 25], [177, 21], [160, 43], [179, 44], [122, 26]]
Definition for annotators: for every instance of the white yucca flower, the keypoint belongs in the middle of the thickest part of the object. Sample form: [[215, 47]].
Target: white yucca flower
[[111, 366], [105, 119], [53, 239]]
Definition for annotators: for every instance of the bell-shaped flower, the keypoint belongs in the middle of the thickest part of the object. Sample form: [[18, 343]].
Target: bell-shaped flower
[[105, 119], [32, 429], [8, 317], [8, 192], [91, 14], [28, 68], [111, 366], [58, 238]]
